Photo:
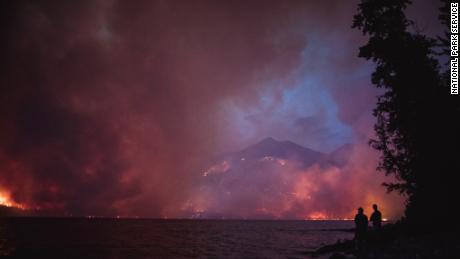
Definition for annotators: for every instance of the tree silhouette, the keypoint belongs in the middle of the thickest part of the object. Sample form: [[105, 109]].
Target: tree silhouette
[[415, 114]]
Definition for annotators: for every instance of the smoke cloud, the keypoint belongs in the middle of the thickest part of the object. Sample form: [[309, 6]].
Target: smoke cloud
[[115, 108]]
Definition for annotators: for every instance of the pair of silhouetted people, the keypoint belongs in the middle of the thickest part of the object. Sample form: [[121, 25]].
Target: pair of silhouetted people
[[362, 223]]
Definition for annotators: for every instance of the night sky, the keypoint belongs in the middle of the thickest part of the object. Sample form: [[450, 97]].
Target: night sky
[[116, 107]]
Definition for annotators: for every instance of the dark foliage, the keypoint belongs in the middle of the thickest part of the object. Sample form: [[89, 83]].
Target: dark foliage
[[417, 125]]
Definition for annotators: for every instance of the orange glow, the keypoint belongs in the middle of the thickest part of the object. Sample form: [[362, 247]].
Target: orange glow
[[5, 200], [317, 215], [313, 193]]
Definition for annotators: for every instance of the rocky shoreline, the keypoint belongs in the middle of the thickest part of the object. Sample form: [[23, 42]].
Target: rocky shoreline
[[395, 242]]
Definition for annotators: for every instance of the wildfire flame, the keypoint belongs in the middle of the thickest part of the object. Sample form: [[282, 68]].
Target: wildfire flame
[[5, 200], [317, 215]]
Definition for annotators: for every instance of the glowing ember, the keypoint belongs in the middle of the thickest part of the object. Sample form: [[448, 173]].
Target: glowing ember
[[280, 161], [218, 168]]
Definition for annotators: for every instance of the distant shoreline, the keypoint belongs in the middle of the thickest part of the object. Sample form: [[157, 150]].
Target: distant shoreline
[[165, 219]]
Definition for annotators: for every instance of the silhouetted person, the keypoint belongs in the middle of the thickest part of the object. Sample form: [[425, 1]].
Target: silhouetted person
[[376, 218], [361, 223]]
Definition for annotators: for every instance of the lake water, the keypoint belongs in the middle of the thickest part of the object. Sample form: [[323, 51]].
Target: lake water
[[152, 238]]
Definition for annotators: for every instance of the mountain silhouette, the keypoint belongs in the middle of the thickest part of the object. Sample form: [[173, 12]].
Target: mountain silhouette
[[270, 147], [262, 178], [259, 156]]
